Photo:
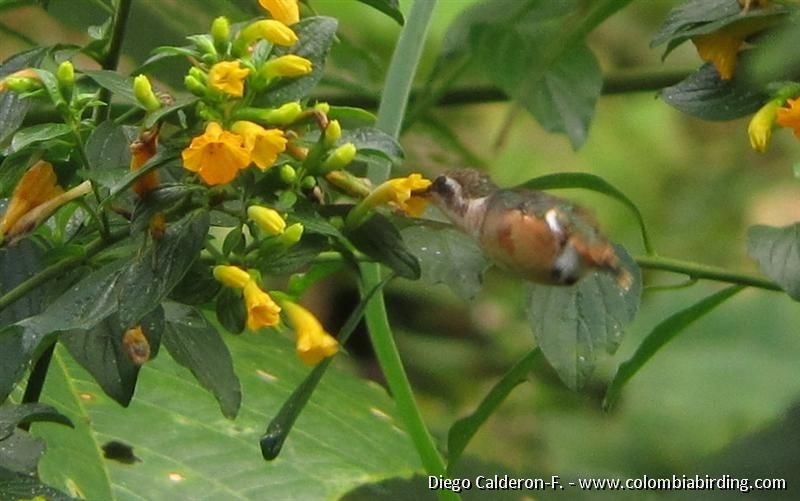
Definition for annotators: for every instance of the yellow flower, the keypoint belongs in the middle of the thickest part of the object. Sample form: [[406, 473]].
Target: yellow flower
[[143, 150], [267, 219], [286, 66], [216, 155], [263, 144], [415, 206], [760, 128], [397, 191], [232, 276], [285, 11], [228, 77], [721, 47], [789, 116], [267, 29], [261, 309], [313, 343], [38, 185]]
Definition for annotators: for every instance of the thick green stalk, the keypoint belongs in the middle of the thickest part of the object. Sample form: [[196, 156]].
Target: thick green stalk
[[390, 119]]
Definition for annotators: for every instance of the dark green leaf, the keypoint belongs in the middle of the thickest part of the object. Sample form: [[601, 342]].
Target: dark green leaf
[[165, 111], [661, 334], [351, 118], [18, 263], [23, 486], [108, 146], [104, 354], [447, 256], [591, 182], [371, 140], [316, 35], [234, 241], [465, 428], [777, 251], [574, 324], [230, 309], [163, 157], [20, 453], [159, 199], [380, 240], [389, 7], [280, 426], [153, 274], [12, 415], [704, 95], [121, 87], [197, 287], [196, 345], [313, 222], [284, 261], [37, 134]]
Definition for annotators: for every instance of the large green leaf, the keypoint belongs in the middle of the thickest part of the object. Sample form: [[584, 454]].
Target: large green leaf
[[316, 35], [378, 238], [447, 256], [108, 146], [704, 95], [37, 134], [372, 140], [574, 324], [12, 415], [661, 335], [196, 345], [153, 274], [777, 251], [186, 448], [121, 87], [18, 263]]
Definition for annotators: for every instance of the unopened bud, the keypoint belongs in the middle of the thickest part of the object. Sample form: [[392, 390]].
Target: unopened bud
[[308, 183], [340, 157], [205, 43], [231, 276], [266, 29], [65, 75], [322, 107], [288, 174], [267, 219], [332, 133], [760, 128], [286, 66], [292, 234], [220, 31], [194, 86], [144, 93]]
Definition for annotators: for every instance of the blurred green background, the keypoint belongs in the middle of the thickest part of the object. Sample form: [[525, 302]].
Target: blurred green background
[[716, 399]]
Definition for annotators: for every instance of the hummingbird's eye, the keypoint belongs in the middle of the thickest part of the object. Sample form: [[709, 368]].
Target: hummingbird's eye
[[443, 186]]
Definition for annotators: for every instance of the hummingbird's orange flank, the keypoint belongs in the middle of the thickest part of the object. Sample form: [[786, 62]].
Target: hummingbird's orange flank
[[540, 237]]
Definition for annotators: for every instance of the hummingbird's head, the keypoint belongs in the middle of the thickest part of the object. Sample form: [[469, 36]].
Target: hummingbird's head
[[461, 194]]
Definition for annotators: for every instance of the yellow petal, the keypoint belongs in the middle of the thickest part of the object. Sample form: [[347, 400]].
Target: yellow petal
[[789, 116], [263, 144], [37, 186], [261, 309], [313, 343], [231, 276], [285, 11], [228, 77], [216, 155]]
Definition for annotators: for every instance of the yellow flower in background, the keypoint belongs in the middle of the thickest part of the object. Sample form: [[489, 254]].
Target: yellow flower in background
[[267, 219], [263, 144], [231, 276], [789, 116], [228, 77], [261, 309], [313, 343], [38, 185], [216, 155], [285, 11], [289, 65], [760, 127]]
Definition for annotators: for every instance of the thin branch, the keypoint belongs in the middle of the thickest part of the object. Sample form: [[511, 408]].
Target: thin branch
[[702, 271]]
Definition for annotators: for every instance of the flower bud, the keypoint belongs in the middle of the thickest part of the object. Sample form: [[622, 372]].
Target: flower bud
[[231, 276], [308, 183], [205, 44], [267, 219], [194, 86], [144, 93], [332, 133], [266, 29], [349, 183], [760, 128], [288, 174], [283, 115], [286, 66], [340, 157], [20, 85], [65, 75], [220, 31], [292, 234], [199, 74]]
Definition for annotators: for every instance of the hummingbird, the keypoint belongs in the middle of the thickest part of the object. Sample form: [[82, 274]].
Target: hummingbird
[[530, 233]]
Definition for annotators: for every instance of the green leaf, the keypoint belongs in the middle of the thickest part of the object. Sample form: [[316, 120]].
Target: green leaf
[[231, 311], [661, 334], [573, 324], [20, 453], [37, 134], [380, 240], [13, 108], [196, 345], [103, 353], [349, 428], [165, 111], [351, 118], [159, 199], [389, 7], [13, 415], [108, 146], [18, 263], [465, 428], [280, 426], [777, 251], [234, 241], [121, 87], [274, 261], [82, 306], [700, 17], [23, 486], [198, 285], [586, 181], [704, 95], [316, 35], [151, 276], [447, 256], [163, 157], [371, 140]]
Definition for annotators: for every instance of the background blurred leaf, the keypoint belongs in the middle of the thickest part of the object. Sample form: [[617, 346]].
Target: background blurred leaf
[[196, 345], [447, 256], [777, 251], [389, 7], [348, 428], [704, 95], [661, 335], [574, 324]]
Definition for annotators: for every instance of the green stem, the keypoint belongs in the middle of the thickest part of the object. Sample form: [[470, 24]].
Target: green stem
[[390, 119], [697, 270], [56, 269], [84, 158], [110, 59]]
